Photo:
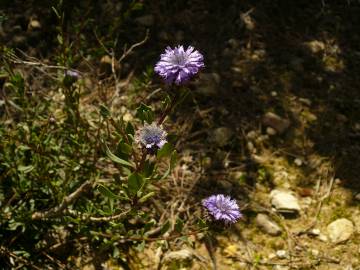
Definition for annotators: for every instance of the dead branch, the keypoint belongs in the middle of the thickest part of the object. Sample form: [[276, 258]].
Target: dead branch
[[56, 211], [98, 219]]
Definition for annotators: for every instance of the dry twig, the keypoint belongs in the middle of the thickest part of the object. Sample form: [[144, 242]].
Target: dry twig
[[56, 211]]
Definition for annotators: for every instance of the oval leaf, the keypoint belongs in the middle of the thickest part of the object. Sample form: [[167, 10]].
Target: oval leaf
[[117, 159]]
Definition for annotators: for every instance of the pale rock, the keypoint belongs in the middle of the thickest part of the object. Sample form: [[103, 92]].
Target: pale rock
[[251, 135], [340, 230], [270, 131], [282, 254], [272, 256], [250, 147], [281, 267], [267, 225], [284, 201], [34, 24], [276, 122], [298, 162], [315, 232], [315, 46], [106, 59], [315, 252], [128, 117], [179, 255], [322, 237]]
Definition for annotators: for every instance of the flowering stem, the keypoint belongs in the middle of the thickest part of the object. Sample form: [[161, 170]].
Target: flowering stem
[[141, 162], [167, 110], [178, 98]]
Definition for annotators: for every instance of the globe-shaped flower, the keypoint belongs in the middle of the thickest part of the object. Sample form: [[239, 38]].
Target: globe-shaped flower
[[179, 65], [222, 208], [152, 137]]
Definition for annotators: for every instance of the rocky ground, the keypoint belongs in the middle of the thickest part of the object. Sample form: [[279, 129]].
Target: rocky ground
[[273, 122]]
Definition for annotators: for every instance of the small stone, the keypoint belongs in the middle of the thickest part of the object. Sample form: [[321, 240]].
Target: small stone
[[276, 122], [357, 197], [315, 252], [315, 232], [179, 255], [106, 60], [284, 201], [34, 24], [281, 267], [273, 93], [250, 146], [315, 46], [323, 237], [270, 131], [251, 135], [267, 225], [128, 117], [222, 136], [146, 20], [282, 254], [298, 162], [272, 256], [340, 230]]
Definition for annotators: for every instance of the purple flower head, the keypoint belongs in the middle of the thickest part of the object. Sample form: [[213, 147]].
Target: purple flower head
[[223, 208], [152, 137], [179, 65]]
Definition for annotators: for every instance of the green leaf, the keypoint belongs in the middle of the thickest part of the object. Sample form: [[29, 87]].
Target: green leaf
[[146, 197], [117, 159], [148, 168], [124, 148], [145, 113], [165, 227], [165, 151], [179, 225], [135, 182], [130, 129], [25, 169], [106, 192], [104, 111], [109, 194], [60, 39]]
